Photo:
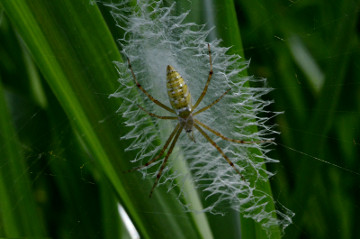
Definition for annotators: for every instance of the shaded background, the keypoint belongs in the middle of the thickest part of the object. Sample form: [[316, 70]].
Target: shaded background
[[308, 50]]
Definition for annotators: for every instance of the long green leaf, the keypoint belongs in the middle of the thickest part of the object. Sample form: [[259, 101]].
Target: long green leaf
[[74, 50], [227, 28], [18, 212]]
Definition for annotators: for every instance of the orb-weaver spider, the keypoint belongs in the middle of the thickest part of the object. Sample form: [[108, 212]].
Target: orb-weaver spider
[[180, 100]]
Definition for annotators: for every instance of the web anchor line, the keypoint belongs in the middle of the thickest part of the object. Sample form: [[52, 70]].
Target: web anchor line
[[319, 159]]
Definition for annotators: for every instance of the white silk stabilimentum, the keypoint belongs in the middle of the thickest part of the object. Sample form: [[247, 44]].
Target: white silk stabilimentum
[[155, 38]]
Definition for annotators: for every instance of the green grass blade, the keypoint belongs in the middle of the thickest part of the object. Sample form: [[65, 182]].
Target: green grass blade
[[227, 28], [19, 215], [74, 50]]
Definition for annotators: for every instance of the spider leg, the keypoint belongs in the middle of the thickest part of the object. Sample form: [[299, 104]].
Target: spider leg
[[146, 93], [157, 116], [165, 160], [228, 139], [219, 149], [213, 103], [161, 152], [207, 82]]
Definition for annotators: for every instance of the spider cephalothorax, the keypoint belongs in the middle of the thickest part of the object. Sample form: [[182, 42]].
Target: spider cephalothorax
[[184, 112]]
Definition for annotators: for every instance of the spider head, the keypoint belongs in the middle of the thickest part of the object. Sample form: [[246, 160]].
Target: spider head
[[190, 133], [188, 124]]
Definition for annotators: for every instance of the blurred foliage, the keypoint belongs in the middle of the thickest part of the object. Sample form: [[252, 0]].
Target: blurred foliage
[[308, 50]]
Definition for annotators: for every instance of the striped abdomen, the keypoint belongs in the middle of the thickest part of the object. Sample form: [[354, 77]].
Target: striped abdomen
[[179, 95]]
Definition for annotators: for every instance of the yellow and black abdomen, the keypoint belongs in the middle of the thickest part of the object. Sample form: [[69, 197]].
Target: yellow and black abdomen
[[179, 95]]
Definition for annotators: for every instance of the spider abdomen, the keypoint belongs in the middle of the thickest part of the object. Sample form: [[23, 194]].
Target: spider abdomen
[[178, 92]]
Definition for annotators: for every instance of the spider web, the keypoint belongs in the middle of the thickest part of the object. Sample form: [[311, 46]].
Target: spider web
[[155, 39]]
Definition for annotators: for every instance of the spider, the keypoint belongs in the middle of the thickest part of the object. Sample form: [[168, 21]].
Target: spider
[[180, 100]]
